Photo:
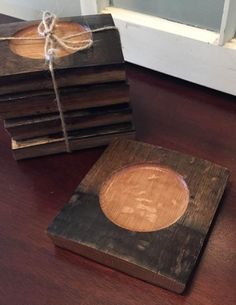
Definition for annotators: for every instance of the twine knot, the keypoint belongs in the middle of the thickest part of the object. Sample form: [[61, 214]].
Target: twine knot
[[45, 29], [47, 24]]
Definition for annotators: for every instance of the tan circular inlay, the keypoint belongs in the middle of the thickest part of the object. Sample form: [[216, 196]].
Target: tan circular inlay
[[144, 197], [35, 48]]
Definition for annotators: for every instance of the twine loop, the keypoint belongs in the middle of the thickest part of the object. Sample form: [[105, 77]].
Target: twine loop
[[45, 29], [47, 24]]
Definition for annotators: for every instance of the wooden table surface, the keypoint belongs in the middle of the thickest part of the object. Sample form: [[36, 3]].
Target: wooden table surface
[[168, 112]]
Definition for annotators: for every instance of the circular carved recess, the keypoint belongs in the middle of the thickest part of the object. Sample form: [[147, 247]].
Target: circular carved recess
[[144, 197], [35, 48]]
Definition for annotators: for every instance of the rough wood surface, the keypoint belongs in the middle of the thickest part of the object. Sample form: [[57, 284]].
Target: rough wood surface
[[35, 103], [66, 78], [24, 71], [98, 55], [168, 112], [79, 139], [38, 126], [97, 64], [164, 257]]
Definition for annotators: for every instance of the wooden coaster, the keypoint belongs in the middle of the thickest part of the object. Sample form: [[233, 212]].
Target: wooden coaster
[[72, 98], [80, 139], [48, 124], [35, 48], [93, 225], [102, 63], [144, 197]]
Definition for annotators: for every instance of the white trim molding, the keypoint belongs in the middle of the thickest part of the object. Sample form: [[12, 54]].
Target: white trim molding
[[176, 49], [88, 7], [228, 22]]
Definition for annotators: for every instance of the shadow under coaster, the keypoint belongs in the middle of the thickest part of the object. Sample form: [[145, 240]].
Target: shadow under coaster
[[143, 210]]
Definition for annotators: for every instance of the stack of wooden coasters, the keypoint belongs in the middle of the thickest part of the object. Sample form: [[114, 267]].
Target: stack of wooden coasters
[[92, 83]]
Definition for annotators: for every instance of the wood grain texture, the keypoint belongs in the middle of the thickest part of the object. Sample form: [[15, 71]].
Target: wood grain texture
[[36, 103], [97, 64], [78, 139], [38, 126], [166, 257], [98, 55], [94, 65], [66, 78], [168, 112]]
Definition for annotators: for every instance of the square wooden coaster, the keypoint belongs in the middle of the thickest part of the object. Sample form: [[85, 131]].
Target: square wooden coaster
[[80, 139], [102, 62], [143, 210]]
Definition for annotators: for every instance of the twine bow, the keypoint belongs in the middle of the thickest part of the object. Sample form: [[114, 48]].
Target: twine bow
[[46, 32]]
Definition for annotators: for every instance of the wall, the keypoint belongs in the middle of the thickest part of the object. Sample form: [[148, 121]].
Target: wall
[[32, 9]]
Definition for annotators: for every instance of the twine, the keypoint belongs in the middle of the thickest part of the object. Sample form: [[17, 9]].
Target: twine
[[46, 32]]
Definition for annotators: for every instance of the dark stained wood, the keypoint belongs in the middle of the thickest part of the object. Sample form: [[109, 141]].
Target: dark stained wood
[[36, 103], [44, 125], [66, 78], [78, 139], [98, 64], [166, 257], [98, 55], [168, 112], [24, 71]]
